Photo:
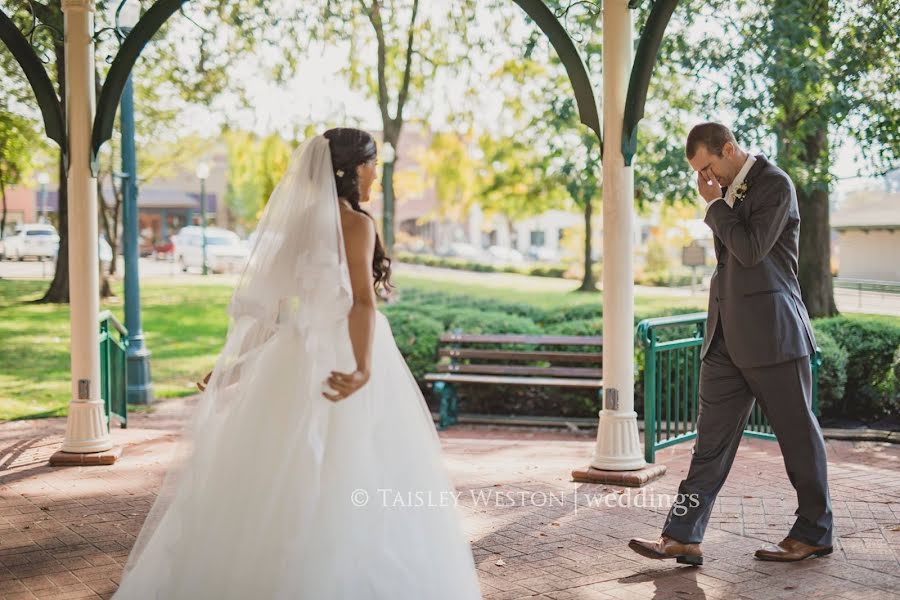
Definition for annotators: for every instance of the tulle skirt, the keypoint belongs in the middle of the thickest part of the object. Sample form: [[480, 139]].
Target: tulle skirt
[[286, 495]]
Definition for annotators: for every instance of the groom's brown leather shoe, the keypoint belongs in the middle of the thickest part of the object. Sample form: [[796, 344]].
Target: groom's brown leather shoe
[[790, 550], [666, 547]]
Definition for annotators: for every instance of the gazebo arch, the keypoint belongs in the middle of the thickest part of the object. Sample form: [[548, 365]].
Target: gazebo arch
[[81, 134]]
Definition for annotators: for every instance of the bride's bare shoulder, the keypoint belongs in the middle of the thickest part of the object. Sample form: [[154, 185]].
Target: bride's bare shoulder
[[358, 229]]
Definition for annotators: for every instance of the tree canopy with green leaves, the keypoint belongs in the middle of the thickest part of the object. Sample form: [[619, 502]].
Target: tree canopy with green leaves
[[189, 61], [802, 79], [18, 143], [254, 167]]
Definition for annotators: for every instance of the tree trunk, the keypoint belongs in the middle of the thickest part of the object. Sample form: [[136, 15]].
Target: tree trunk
[[110, 228], [113, 237], [816, 283], [3, 217], [391, 126], [109, 216], [105, 287], [389, 201], [106, 290], [58, 292], [588, 282]]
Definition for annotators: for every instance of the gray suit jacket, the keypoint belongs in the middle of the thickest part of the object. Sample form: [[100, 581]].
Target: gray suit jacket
[[754, 291]]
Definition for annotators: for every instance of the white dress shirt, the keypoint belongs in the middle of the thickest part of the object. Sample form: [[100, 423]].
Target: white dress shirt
[[738, 180]]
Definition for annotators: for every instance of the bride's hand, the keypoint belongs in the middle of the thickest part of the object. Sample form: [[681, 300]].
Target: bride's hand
[[345, 384]]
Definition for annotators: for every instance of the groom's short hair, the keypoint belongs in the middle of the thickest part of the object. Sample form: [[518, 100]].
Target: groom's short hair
[[712, 135]]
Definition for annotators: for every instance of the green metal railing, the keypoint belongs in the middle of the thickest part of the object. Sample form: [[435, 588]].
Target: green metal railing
[[113, 369], [671, 355]]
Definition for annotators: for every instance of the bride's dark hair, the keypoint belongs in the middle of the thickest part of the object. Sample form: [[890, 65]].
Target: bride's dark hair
[[349, 149]]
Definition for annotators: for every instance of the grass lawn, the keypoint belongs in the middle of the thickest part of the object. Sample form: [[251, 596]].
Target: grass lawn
[[185, 324]]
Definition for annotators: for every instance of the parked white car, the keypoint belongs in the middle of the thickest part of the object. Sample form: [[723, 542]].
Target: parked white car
[[32, 240], [543, 254], [225, 251], [463, 250], [501, 254]]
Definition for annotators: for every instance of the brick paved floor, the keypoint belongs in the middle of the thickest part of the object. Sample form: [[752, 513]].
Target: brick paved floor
[[66, 532]]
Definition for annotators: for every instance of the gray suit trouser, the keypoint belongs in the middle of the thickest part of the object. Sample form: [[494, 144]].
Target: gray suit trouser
[[784, 391]]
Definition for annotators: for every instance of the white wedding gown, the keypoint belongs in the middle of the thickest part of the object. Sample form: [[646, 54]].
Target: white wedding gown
[[266, 507]]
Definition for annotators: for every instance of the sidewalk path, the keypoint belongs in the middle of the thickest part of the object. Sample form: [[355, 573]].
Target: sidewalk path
[[66, 532]]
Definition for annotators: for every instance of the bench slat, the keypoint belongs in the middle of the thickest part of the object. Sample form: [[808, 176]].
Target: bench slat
[[523, 370], [547, 340], [493, 379], [552, 356]]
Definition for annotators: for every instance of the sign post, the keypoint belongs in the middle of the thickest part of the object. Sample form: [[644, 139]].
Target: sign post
[[693, 255]]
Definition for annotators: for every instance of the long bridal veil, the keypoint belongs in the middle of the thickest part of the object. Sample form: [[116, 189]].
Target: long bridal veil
[[296, 277]]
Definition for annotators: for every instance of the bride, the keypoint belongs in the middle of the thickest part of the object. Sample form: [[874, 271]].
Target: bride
[[311, 467]]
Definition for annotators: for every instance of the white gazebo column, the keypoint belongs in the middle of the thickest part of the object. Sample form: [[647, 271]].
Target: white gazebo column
[[86, 429], [617, 457], [618, 445]]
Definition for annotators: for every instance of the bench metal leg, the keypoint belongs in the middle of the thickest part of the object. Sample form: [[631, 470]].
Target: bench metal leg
[[454, 405], [449, 403]]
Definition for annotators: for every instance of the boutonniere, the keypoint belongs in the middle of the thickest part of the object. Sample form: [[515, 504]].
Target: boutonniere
[[741, 191]]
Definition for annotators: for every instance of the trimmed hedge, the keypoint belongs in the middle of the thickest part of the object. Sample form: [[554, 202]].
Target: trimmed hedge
[[417, 336], [664, 278], [871, 389], [890, 387], [832, 373], [463, 264], [578, 312], [575, 327], [477, 322]]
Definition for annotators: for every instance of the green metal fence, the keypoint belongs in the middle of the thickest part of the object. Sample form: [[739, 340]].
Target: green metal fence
[[671, 357], [113, 369]]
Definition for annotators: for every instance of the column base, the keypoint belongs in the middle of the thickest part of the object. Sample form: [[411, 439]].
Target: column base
[[636, 478], [618, 443], [85, 459], [86, 428]]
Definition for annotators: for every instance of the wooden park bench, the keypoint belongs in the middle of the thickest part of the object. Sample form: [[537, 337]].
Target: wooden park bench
[[566, 361]]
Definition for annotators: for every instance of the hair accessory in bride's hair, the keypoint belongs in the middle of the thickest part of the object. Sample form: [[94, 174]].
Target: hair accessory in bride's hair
[[339, 172]]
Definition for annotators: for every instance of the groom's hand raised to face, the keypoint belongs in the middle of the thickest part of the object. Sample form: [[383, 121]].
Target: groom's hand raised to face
[[708, 186]]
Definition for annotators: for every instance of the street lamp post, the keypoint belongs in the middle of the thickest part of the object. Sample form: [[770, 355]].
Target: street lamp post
[[140, 388], [388, 156], [202, 174], [43, 179]]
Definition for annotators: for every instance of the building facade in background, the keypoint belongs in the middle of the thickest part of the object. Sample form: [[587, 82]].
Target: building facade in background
[[165, 205], [21, 207], [867, 225]]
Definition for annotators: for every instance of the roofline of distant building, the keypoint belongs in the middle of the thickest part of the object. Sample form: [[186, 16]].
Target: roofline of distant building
[[873, 227]]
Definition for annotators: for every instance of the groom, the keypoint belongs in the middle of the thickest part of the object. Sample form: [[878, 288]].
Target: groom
[[757, 346]]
